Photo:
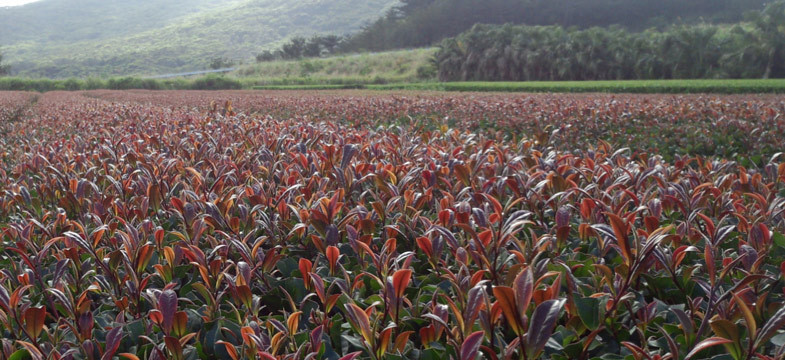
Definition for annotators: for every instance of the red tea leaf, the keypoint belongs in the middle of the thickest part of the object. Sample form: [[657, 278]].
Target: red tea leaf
[[359, 319], [113, 338], [34, 320], [471, 345], [524, 288], [167, 304], [401, 280], [705, 344], [332, 254], [543, 321], [351, 356], [621, 230], [424, 244], [505, 297]]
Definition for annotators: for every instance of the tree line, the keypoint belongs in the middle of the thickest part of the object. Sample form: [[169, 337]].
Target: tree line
[[207, 82], [301, 47], [753, 49], [420, 23]]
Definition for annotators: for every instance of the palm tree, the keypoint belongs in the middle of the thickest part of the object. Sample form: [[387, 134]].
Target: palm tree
[[772, 33], [747, 56]]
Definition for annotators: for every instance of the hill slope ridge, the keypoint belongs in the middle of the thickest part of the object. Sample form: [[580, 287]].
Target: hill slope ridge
[[64, 38]]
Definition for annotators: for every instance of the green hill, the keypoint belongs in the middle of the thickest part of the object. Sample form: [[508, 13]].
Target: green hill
[[64, 38]]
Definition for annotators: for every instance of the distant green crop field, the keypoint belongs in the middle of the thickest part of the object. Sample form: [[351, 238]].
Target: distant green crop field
[[734, 86], [216, 82], [724, 86], [310, 87]]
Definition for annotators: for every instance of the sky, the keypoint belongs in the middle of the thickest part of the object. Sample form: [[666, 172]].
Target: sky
[[15, 2]]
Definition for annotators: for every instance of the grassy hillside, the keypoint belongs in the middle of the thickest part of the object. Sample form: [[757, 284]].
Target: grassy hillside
[[385, 67], [65, 38], [56, 21]]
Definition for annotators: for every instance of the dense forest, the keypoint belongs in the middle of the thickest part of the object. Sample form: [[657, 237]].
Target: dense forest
[[418, 23], [753, 49]]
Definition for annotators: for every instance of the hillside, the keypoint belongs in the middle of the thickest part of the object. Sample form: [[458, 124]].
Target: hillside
[[64, 38]]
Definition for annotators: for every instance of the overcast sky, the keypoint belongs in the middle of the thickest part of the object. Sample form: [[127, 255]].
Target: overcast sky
[[15, 2]]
